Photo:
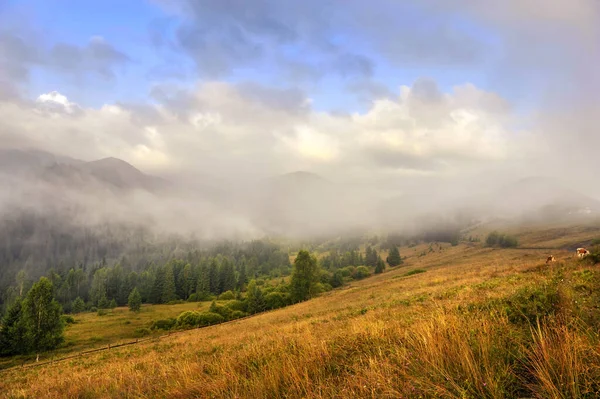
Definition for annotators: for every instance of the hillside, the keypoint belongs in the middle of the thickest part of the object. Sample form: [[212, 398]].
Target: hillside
[[451, 322]]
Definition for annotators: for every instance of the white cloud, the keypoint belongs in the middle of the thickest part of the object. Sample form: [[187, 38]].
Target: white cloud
[[421, 131], [54, 102]]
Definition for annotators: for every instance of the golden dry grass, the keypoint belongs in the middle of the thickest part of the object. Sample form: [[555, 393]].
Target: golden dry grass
[[389, 336]]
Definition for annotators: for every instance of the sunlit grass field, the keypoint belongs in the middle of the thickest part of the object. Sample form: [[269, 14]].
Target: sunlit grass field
[[456, 329]]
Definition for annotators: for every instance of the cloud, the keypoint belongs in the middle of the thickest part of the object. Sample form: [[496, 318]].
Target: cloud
[[97, 56], [227, 128]]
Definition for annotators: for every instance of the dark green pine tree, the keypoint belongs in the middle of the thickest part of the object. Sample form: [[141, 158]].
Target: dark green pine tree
[[203, 284], [226, 276], [213, 276], [255, 298], [134, 301], [304, 277], [394, 258], [41, 316], [78, 305], [158, 286], [371, 257], [380, 266], [13, 332], [168, 293], [242, 277]]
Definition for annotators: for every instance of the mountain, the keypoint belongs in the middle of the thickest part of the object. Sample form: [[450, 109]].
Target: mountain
[[29, 161], [107, 173]]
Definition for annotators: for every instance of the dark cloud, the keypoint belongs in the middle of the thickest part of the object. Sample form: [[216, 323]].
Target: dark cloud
[[16, 56], [368, 90], [292, 100], [97, 56]]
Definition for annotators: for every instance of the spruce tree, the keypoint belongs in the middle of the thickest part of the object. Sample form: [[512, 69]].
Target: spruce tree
[[380, 267], [255, 298], [41, 316], [13, 332], [304, 277], [242, 277], [394, 258], [158, 286], [203, 285], [134, 301], [78, 305], [168, 293]]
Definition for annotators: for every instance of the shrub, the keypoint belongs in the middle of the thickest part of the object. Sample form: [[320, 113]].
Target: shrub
[[237, 305], [176, 302], [361, 272], [193, 297], [164, 324], [224, 311], [141, 332], [532, 303], [495, 239], [275, 300], [209, 318], [227, 295], [236, 314], [188, 319], [93, 309], [67, 319], [414, 271], [102, 312]]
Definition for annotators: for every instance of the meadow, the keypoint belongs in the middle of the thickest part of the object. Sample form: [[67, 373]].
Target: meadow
[[453, 321]]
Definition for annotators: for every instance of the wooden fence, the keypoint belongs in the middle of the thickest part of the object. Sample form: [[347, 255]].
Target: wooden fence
[[113, 346]]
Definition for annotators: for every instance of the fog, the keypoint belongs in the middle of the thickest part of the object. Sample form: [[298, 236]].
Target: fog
[[258, 119]]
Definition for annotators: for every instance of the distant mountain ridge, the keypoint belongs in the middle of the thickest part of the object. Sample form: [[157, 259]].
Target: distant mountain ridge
[[113, 173]]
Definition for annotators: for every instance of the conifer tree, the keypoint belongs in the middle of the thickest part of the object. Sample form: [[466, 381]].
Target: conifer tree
[[380, 267], [304, 277], [13, 332], [394, 258], [168, 293], [41, 316], [134, 301], [78, 305], [255, 298]]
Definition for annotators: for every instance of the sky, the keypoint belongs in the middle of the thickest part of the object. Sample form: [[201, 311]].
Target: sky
[[375, 91]]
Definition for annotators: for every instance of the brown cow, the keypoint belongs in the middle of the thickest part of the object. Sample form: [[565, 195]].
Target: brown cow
[[582, 253], [550, 258]]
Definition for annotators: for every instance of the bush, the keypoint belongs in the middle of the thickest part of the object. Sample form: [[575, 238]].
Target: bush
[[495, 239], [236, 314], [224, 311], [361, 272], [236, 305], [532, 303], [164, 324], [275, 300], [209, 318], [193, 297], [176, 302], [227, 295], [102, 312], [415, 271], [141, 332], [67, 319], [188, 319], [93, 309], [347, 271]]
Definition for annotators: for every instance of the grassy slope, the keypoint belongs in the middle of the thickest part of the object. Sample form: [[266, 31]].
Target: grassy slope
[[386, 336]]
